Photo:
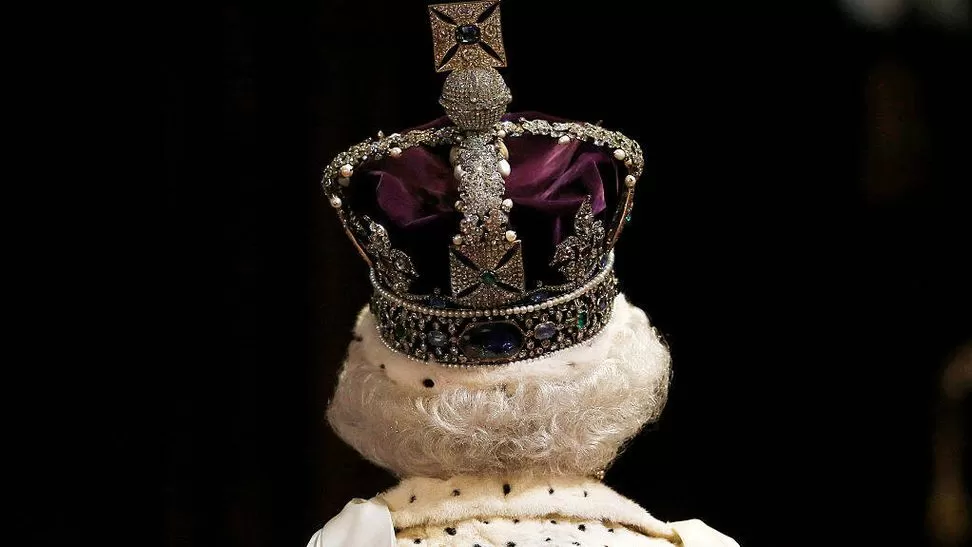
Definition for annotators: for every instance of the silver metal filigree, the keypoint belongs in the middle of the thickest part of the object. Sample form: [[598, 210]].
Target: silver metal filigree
[[481, 186], [475, 98], [578, 256], [486, 259], [394, 267]]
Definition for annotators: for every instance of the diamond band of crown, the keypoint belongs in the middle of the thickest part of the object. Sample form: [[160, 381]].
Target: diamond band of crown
[[464, 337], [493, 312]]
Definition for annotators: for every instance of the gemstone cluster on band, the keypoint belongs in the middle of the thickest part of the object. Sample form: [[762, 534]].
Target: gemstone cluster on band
[[464, 337]]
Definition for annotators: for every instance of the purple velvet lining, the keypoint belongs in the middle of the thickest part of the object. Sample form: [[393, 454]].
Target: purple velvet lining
[[413, 197]]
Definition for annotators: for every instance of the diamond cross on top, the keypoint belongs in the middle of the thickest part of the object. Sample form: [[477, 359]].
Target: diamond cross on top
[[467, 35]]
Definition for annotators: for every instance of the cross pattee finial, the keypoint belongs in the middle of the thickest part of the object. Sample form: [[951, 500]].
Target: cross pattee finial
[[467, 35]]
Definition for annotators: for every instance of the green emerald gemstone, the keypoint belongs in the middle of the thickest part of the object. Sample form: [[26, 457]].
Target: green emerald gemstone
[[400, 331], [627, 218], [488, 277], [582, 319]]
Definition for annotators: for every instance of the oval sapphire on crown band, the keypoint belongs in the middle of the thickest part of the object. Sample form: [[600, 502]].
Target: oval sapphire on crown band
[[495, 340]]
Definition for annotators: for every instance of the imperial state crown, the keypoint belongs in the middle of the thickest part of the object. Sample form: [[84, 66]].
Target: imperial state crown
[[489, 235]]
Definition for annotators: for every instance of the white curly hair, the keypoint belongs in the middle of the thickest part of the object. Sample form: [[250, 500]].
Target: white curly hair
[[567, 414]]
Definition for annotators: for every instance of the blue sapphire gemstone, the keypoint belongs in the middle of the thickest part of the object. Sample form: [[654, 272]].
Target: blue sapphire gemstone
[[468, 34], [438, 338], [539, 297], [437, 302], [497, 340], [545, 331]]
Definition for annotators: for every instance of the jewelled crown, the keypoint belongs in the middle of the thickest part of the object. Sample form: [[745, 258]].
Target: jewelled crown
[[489, 238]]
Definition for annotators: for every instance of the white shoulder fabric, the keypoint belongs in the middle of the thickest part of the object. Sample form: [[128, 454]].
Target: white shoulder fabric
[[362, 523], [695, 533]]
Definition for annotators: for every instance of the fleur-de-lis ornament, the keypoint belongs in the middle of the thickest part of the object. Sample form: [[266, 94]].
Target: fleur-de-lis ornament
[[577, 257]]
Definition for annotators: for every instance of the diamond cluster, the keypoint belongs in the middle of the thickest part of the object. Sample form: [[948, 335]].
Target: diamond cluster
[[475, 99], [466, 337], [486, 259]]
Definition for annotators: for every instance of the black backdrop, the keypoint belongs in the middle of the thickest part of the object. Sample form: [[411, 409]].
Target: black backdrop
[[799, 240]]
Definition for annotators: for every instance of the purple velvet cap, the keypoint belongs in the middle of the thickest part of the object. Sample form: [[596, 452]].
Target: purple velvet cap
[[413, 197]]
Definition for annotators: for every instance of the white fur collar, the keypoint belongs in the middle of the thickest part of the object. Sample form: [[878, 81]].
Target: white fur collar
[[432, 502]]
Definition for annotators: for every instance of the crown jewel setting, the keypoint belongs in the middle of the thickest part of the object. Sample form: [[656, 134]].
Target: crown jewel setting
[[492, 312]]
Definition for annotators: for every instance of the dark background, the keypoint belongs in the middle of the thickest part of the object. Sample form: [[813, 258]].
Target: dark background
[[801, 239]]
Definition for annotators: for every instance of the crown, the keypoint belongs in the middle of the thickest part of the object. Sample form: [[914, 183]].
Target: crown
[[489, 236]]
